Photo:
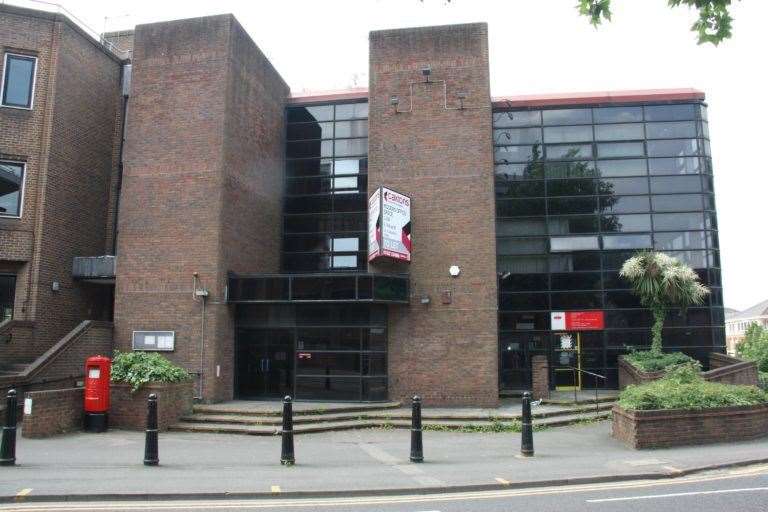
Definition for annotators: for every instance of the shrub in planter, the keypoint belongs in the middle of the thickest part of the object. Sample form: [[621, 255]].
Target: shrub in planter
[[139, 368], [650, 361], [683, 387]]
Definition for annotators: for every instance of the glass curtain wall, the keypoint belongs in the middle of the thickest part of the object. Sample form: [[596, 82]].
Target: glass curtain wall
[[578, 191], [326, 188], [340, 352]]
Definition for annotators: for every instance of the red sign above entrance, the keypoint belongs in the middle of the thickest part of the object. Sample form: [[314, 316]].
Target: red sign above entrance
[[578, 321]]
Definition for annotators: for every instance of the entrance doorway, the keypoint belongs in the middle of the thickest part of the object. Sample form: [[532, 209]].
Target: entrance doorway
[[567, 361], [265, 363]]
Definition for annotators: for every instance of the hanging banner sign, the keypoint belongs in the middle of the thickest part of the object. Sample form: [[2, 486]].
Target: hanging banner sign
[[578, 320], [389, 225]]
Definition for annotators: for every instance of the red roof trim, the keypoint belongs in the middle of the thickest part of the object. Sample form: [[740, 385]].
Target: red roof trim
[[530, 100], [359, 93], [601, 97]]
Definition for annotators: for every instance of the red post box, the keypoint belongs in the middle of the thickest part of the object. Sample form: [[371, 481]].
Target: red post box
[[96, 404]]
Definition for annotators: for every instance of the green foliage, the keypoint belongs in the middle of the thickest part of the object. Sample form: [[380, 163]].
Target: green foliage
[[755, 346], [713, 25], [650, 361], [139, 368], [662, 281], [683, 387]]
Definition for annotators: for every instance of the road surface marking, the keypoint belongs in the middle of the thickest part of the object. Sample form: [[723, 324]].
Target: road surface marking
[[678, 494], [275, 489], [502, 481]]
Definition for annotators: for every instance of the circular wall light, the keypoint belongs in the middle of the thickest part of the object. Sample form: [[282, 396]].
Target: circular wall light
[[454, 270]]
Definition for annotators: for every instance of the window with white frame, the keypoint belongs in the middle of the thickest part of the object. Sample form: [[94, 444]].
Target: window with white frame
[[18, 86], [11, 188]]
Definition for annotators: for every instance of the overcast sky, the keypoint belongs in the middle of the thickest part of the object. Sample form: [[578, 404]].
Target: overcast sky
[[540, 46]]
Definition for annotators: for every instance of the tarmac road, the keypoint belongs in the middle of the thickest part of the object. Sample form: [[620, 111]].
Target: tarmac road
[[742, 489]]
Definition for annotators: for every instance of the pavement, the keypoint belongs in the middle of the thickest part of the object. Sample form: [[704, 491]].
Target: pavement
[[84, 466]]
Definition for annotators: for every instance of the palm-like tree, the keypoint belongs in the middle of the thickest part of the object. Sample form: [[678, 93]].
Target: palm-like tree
[[661, 282]]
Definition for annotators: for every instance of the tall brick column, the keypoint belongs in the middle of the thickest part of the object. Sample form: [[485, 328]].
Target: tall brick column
[[440, 156], [540, 377], [202, 186]]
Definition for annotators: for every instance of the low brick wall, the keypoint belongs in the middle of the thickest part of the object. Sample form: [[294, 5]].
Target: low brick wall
[[723, 368], [679, 427], [53, 412], [129, 410], [731, 370], [628, 374]]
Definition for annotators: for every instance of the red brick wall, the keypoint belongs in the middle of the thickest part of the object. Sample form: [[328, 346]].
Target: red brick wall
[[63, 364], [724, 369], [67, 141], [200, 185], [15, 342], [731, 370], [660, 429], [540, 377], [442, 159], [129, 410], [53, 412]]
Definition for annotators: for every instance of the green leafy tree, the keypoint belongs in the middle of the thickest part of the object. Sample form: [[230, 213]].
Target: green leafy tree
[[662, 282], [713, 26], [755, 346]]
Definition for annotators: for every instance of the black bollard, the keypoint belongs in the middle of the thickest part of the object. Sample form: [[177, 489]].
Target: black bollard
[[8, 444], [150, 444], [526, 448], [417, 448], [287, 457]]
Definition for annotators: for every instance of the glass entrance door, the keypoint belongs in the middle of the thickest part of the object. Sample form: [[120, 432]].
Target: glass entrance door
[[567, 360], [265, 363]]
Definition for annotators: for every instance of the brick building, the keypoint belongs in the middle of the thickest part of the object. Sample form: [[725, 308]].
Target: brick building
[[220, 219]]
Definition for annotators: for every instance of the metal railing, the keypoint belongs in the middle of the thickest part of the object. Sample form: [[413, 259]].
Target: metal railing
[[41, 5], [576, 390]]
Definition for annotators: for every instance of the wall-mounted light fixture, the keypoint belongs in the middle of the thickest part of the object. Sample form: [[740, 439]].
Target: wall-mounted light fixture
[[425, 299], [426, 71], [394, 101], [454, 270]]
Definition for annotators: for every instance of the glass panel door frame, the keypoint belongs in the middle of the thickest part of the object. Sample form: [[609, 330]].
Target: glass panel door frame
[[566, 345]]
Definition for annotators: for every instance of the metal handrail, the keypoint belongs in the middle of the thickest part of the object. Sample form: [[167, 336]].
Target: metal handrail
[[596, 376], [588, 373]]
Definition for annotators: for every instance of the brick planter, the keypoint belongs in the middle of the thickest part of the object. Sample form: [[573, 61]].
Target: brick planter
[[724, 369], [678, 427], [129, 410]]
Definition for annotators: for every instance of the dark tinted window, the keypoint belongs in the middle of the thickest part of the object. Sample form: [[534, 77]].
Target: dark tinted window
[[306, 114], [618, 114], [567, 116], [18, 80], [670, 112], [11, 182]]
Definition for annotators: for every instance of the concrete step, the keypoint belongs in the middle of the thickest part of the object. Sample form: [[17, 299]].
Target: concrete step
[[379, 416], [299, 409], [582, 400], [212, 426]]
